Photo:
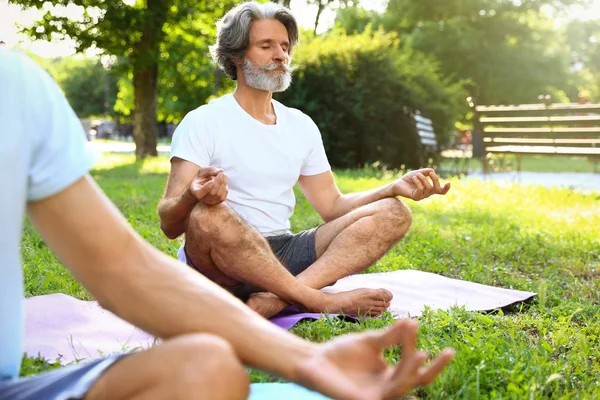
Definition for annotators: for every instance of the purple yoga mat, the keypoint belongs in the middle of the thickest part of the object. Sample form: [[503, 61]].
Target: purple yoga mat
[[60, 327]]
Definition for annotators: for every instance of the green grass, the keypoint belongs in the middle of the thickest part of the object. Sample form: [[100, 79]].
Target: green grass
[[530, 163], [527, 238]]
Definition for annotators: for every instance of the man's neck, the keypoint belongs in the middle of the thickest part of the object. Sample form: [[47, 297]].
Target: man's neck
[[256, 102]]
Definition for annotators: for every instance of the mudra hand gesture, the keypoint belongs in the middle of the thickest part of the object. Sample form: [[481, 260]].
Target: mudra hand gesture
[[419, 184], [352, 367]]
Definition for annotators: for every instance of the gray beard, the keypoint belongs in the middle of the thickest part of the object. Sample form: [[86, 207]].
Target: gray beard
[[259, 77]]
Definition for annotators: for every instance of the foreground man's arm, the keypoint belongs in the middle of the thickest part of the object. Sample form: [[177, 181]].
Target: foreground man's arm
[[156, 293]]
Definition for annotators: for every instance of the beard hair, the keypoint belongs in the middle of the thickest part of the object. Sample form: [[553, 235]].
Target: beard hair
[[259, 77]]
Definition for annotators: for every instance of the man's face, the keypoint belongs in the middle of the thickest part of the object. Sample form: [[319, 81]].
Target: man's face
[[267, 62]]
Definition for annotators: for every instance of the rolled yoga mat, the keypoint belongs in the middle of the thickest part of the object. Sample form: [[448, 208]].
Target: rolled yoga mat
[[60, 327]]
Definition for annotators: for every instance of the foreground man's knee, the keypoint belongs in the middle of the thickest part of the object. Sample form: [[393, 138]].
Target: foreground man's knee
[[209, 365]]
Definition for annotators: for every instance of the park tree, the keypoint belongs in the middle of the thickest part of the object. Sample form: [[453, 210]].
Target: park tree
[[509, 51], [583, 38], [187, 77], [322, 5], [135, 30]]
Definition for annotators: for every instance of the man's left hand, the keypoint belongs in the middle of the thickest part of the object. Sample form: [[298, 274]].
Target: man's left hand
[[419, 184]]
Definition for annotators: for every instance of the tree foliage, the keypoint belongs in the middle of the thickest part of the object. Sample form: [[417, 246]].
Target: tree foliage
[[583, 38], [88, 86], [509, 51], [188, 77]]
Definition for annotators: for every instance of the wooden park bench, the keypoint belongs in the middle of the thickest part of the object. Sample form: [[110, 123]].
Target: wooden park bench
[[432, 150], [428, 141], [538, 129]]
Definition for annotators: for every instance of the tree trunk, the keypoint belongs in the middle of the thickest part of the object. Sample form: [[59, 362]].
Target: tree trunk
[[145, 129]]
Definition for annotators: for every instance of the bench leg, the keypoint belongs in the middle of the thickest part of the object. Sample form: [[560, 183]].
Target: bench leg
[[484, 165]]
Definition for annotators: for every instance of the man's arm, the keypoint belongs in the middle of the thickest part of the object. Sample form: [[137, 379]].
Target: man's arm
[[322, 192], [187, 185]]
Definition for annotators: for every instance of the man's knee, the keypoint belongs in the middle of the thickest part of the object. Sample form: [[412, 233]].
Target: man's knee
[[208, 364], [396, 215], [217, 223]]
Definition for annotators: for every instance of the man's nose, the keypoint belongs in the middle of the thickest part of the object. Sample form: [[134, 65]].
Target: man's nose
[[280, 55]]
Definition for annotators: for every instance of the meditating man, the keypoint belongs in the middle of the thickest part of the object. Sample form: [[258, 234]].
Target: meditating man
[[43, 170], [234, 163]]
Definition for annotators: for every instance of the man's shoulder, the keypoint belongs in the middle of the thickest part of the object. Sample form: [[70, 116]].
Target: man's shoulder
[[293, 113], [13, 60], [17, 68], [213, 109]]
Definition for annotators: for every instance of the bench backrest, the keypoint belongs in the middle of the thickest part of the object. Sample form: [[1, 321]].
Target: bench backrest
[[426, 133], [538, 129]]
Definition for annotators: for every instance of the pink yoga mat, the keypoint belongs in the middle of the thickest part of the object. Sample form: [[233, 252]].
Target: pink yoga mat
[[60, 327]]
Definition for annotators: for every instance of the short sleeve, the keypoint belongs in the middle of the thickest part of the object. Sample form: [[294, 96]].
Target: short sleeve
[[191, 140], [59, 152], [316, 160]]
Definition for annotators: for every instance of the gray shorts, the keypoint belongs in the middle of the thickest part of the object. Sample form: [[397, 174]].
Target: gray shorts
[[68, 383], [295, 251]]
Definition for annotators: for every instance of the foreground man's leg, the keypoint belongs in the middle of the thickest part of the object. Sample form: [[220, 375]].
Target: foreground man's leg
[[189, 367]]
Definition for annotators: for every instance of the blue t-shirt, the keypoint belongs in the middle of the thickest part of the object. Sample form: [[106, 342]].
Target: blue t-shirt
[[42, 152]]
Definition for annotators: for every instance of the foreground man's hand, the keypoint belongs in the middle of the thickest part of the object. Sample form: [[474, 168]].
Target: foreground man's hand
[[419, 184], [352, 367]]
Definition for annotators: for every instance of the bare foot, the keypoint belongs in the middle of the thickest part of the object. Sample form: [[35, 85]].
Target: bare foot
[[266, 304], [368, 302]]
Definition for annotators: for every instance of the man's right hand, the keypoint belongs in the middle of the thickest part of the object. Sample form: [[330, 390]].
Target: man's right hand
[[352, 367], [209, 186]]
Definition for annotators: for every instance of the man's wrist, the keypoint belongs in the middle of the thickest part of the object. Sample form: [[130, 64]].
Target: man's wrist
[[188, 197], [389, 190], [299, 360]]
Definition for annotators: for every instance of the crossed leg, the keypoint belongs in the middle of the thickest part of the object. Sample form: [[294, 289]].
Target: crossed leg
[[346, 246], [229, 251], [197, 366]]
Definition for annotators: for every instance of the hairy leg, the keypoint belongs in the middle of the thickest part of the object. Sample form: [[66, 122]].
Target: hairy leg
[[356, 240], [346, 246], [228, 251]]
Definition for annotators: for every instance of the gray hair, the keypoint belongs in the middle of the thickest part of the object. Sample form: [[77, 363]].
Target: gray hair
[[233, 32]]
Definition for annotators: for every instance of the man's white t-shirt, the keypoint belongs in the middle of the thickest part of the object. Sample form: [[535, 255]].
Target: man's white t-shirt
[[42, 152], [262, 162]]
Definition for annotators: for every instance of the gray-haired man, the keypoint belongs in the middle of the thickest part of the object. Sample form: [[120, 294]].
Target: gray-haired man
[[234, 164]]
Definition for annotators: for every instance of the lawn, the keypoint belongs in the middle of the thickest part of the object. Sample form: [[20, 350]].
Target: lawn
[[527, 238], [530, 163]]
